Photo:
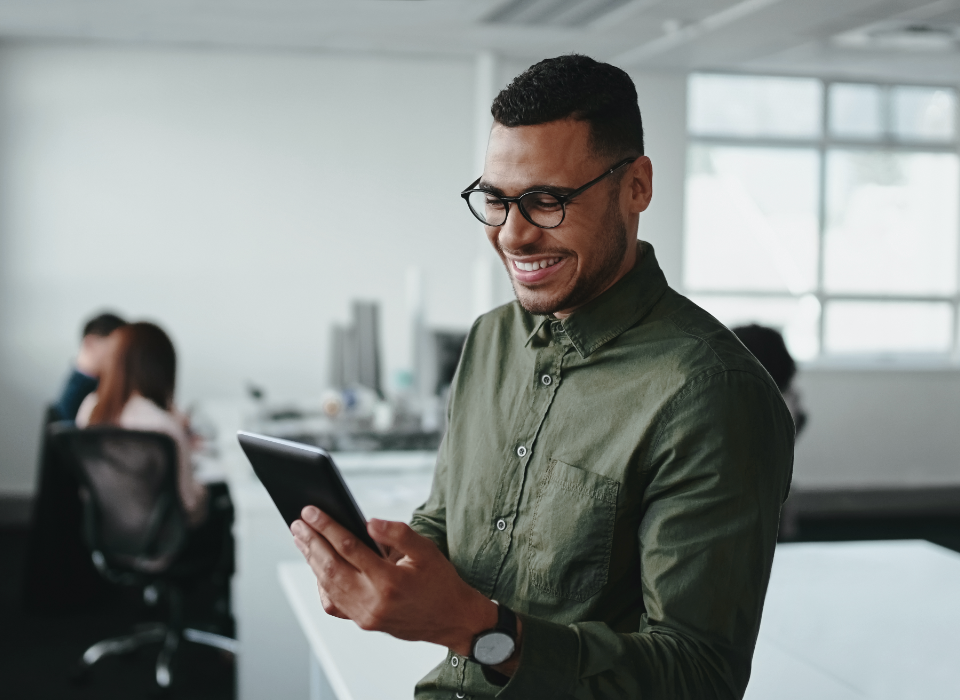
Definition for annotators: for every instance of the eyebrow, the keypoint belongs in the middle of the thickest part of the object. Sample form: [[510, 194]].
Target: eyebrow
[[533, 188]]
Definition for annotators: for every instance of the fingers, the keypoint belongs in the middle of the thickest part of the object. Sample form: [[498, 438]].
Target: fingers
[[332, 572], [328, 606], [400, 538], [342, 540]]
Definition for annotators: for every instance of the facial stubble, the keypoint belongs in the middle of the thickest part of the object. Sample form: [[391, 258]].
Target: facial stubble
[[613, 229]]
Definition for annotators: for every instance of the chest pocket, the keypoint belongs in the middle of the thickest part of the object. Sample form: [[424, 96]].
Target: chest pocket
[[572, 533]]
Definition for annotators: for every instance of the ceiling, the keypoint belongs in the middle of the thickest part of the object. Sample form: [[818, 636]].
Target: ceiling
[[913, 40]]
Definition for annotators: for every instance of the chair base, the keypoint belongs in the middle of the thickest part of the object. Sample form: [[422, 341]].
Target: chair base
[[150, 634]]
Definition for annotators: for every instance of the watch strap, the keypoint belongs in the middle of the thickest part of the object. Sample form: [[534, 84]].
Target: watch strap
[[506, 621], [506, 624]]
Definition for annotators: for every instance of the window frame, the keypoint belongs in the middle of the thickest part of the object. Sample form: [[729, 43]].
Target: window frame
[[823, 145]]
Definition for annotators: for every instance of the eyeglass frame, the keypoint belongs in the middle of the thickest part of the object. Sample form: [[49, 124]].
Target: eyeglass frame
[[563, 199]]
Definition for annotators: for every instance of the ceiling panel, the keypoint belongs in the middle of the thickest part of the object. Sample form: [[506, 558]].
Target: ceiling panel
[[803, 36]]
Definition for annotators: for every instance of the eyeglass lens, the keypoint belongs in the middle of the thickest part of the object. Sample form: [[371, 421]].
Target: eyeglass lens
[[542, 208]]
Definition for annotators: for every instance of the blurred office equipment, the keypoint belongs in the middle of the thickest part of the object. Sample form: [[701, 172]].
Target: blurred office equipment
[[438, 361], [138, 534], [878, 513], [355, 350], [356, 414]]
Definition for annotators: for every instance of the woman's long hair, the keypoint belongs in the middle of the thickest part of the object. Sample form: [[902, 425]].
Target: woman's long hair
[[143, 362]]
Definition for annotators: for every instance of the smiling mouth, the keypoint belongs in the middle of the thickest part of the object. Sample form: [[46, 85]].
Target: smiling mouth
[[535, 265]]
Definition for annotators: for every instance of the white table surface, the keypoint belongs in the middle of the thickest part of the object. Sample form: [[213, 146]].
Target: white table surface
[[842, 621], [358, 665], [881, 620]]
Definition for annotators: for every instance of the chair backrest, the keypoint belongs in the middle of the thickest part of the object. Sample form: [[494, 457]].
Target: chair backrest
[[133, 518]]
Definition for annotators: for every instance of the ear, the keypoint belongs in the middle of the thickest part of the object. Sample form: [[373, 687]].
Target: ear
[[639, 181]]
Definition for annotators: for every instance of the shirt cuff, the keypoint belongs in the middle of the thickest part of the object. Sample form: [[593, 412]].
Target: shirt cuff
[[549, 661]]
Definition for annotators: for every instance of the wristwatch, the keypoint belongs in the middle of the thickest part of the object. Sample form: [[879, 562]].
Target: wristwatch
[[493, 647]]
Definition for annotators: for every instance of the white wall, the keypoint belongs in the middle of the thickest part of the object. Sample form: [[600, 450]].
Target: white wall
[[879, 427], [239, 199]]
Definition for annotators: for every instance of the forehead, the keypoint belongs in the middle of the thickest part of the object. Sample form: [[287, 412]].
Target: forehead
[[557, 153]]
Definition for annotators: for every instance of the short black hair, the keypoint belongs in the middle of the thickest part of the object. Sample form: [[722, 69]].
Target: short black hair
[[768, 347], [576, 87], [103, 325]]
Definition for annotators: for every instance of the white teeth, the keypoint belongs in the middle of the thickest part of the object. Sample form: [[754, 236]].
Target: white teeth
[[538, 265]]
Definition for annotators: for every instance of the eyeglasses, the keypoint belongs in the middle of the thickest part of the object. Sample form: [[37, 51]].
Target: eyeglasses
[[541, 208]]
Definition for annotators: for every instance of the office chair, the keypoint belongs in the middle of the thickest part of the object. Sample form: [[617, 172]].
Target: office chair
[[136, 529], [58, 574]]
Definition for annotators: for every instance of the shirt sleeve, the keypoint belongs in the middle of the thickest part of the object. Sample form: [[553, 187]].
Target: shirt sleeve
[[717, 473], [78, 386], [430, 519]]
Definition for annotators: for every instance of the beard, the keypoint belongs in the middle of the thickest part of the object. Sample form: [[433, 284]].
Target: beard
[[609, 254]]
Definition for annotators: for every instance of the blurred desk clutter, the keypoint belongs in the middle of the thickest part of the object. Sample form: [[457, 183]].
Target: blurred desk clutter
[[355, 413]]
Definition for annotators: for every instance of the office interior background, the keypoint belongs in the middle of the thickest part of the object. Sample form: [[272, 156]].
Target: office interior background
[[240, 172]]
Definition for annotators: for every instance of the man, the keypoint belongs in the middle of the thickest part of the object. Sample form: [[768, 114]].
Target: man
[[615, 460], [83, 379], [58, 573]]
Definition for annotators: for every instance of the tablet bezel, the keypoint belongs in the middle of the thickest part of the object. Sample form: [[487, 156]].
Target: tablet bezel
[[289, 471]]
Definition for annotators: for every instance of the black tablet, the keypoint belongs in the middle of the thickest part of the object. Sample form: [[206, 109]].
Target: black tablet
[[297, 475]]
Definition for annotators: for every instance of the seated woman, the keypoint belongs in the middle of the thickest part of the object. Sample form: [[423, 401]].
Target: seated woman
[[136, 392]]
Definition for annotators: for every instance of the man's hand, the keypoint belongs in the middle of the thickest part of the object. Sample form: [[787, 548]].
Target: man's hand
[[414, 593]]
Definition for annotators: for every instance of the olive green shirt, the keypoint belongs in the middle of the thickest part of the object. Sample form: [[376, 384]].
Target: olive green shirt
[[616, 479]]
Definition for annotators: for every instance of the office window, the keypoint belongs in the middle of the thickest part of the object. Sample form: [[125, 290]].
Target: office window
[[826, 209]]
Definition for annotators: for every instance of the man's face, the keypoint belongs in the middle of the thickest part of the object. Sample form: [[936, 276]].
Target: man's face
[[95, 352], [557, 270]]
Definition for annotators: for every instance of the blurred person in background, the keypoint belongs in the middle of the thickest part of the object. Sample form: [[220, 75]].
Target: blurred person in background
[[768, 347], [58, 574], [136, 392], [86, 371]]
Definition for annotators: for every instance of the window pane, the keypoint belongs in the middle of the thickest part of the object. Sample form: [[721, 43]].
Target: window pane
[[751, 219], [797, 318], [924, 114], [887, 327], [739, 105], [856, 111], [891, 222]]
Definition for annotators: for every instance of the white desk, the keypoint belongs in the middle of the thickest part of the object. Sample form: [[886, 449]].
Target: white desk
[[842, 621], [350, 664], [878, 620]]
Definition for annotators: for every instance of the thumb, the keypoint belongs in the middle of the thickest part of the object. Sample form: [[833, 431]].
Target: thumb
[[401, 537]]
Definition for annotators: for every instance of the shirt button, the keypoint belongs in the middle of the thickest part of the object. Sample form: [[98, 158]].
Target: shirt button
[[521, 451], [501, 524], [546, 379], [461, 695], [454, 662]]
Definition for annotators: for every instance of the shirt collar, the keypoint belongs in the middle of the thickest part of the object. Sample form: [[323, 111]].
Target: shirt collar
[[622, 306]]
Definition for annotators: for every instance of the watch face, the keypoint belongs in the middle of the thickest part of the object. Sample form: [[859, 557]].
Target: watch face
[[493, 648]]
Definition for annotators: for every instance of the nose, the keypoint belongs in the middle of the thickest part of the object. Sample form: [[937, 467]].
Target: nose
[[516, 232]]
